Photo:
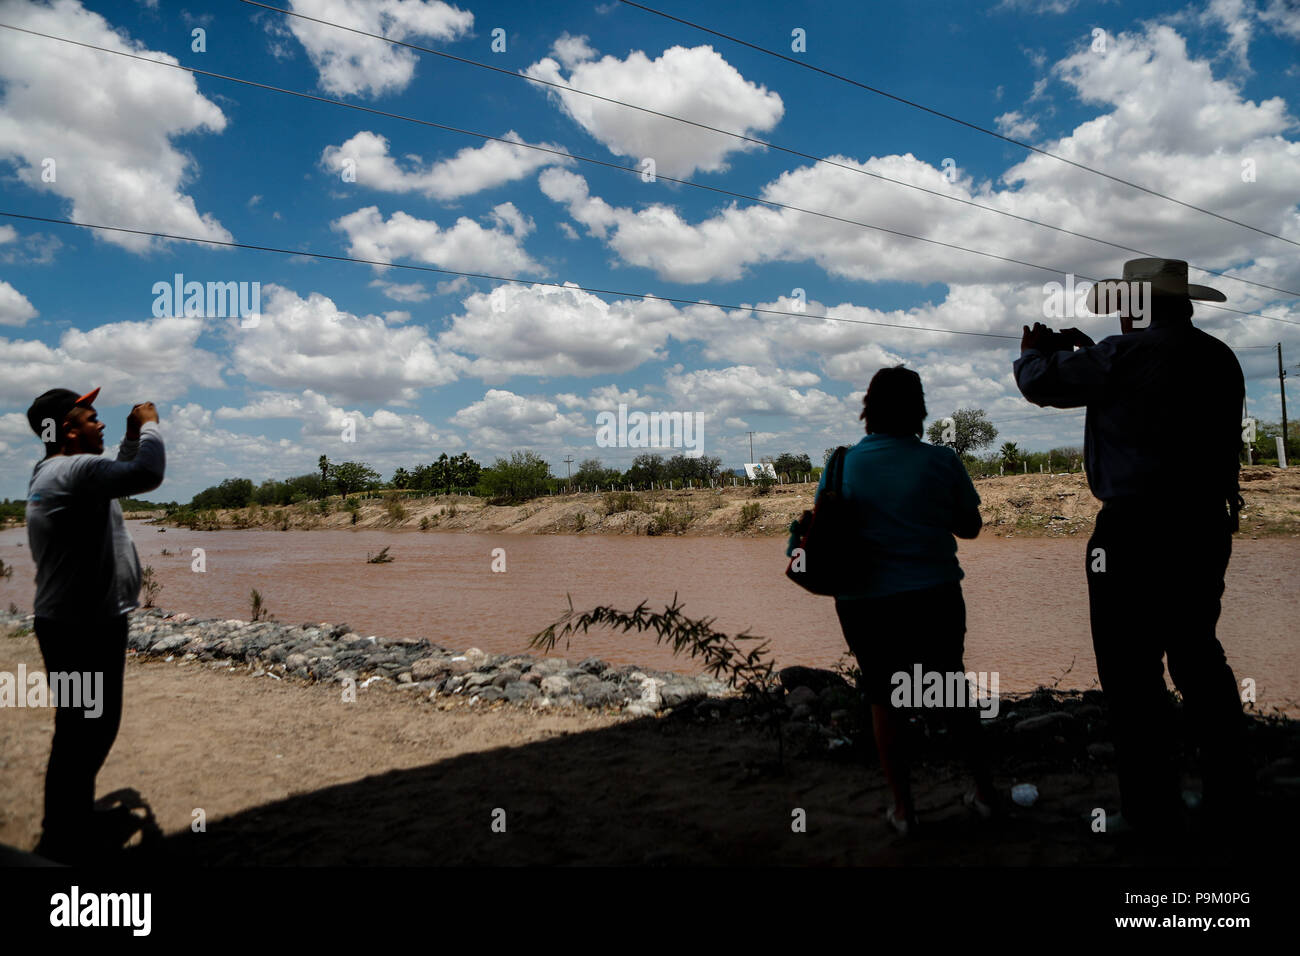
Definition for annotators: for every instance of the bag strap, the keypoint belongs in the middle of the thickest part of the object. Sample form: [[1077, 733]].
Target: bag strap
[[835, 480]]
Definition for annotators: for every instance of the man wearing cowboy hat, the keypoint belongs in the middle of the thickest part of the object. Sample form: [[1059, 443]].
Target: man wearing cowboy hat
[[87, 580], [1161, 442]]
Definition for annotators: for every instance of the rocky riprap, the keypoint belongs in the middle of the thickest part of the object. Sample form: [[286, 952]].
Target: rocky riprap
[[819, 710], [819, 705], [334, 653]]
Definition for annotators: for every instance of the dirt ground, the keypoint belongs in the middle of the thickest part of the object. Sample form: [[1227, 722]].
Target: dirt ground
[[286, 773], [1021, 505]]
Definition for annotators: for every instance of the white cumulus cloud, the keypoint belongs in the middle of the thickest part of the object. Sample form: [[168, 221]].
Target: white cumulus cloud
[[471, 170], [311, 343], [15, 308], [695, 83], [351, 64], [96, 129], [465, 246], [154, 360]]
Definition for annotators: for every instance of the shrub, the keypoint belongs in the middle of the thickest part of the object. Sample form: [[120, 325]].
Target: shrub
[[671, 520], [396, 512], [149, 585], [200, 520], [257, 608], [743, 661], [619, 501], [524, 476]]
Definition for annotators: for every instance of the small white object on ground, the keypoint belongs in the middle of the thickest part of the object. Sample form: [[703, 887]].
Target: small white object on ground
[[1024, 794]]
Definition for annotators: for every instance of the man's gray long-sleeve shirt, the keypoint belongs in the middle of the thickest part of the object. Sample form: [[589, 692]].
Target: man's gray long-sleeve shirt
[[86, 563], [1164, 410]]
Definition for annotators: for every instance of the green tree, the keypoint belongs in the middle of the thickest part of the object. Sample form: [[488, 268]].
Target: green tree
[[350, 476], [1265, 444], [271, 492], [524, 476], [231, 493], [646, 468], [687, 468], [969, 430], [463, 471], [593, 472], [791, 464], [446, 473], [308, 486]]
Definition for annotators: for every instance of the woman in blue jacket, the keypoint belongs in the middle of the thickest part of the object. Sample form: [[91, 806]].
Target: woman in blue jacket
[[908, 619]]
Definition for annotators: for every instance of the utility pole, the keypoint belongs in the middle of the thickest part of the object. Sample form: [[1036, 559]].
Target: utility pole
[[1281, 384], [1245, 416]]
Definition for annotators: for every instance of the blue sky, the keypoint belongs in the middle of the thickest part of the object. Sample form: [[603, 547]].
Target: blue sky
[[1177, 98]]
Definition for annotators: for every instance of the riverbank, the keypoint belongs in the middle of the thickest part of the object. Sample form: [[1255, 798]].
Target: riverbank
[[231, 719], [1012, 505]]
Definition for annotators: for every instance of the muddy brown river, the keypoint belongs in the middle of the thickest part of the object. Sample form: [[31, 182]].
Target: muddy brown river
[[1026, 598]]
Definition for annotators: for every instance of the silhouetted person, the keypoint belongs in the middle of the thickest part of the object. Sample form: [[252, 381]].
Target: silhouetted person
[[87, 580], [1162, 440], [910, 498]]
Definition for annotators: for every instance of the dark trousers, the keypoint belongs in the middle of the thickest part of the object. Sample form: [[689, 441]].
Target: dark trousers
[[81, 743], [1155, 579], [892, 634]]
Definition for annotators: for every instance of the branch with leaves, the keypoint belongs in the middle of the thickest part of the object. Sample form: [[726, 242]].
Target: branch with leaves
[[748, 668], [751, 670]]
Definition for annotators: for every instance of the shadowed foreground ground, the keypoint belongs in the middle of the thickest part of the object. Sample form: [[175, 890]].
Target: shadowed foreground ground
[[287, 774], [646, 794]]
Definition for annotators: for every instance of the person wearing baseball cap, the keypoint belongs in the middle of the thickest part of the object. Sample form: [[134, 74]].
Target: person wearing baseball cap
[[87, 582], [1162, 441]]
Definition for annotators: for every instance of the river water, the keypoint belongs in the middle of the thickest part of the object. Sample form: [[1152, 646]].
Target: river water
[[1026, 598]]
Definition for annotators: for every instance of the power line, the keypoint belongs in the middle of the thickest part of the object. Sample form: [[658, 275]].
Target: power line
[[430, 123], [677, 300], [482, 275], [749, 139], [951, 118], [454, 129]]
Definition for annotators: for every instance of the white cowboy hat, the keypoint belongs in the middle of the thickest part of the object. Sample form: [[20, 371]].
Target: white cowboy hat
[[1166, 277]]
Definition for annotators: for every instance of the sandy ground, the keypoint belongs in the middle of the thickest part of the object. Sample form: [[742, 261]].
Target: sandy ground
[[286, 773], [1022, 505]]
